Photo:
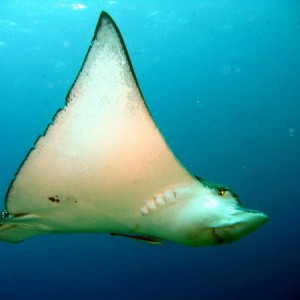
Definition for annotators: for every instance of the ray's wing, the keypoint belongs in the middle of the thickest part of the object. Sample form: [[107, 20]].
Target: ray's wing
[[102, 153]]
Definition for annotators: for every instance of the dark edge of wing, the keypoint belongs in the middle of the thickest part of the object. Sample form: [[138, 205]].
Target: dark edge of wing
[[104, 16]]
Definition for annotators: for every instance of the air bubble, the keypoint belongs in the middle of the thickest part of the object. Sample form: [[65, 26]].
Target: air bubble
[[291, 131]]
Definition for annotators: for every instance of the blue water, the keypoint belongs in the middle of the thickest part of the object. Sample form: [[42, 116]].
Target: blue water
[[221, 79]]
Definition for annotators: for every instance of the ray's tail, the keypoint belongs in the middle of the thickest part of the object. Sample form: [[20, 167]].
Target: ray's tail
[[12, 230]]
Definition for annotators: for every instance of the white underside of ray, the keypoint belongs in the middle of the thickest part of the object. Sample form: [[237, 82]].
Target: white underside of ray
[[103, 157]]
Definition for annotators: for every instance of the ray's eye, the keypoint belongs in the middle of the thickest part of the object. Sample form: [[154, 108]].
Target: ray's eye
[[221, 192]]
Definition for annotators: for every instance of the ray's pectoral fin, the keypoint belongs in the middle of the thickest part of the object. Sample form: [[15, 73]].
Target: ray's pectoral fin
[[99, 159]]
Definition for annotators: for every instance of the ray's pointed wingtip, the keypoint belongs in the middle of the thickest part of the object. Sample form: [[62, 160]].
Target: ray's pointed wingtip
[[103, 20], [106, 16]]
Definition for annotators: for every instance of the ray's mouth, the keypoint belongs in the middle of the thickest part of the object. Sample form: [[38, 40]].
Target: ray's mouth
[[217, 238]]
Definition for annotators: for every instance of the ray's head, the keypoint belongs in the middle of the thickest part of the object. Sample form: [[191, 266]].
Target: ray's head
[[213, 215]]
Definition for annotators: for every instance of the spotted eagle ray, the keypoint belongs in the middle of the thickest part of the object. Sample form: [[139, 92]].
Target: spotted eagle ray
[[102, 166]]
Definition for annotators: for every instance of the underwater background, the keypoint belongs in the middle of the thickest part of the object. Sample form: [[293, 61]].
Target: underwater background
[[221, 79]]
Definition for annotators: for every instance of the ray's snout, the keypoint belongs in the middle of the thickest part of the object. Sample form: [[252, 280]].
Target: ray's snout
[[247, 221]]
